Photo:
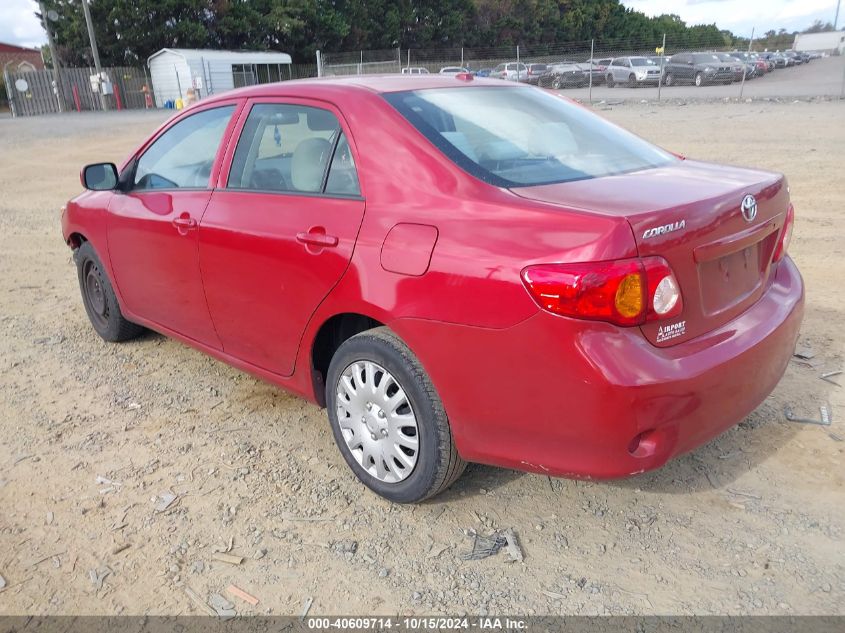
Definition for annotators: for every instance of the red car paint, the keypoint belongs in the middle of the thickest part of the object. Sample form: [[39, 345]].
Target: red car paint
[[436, 255]]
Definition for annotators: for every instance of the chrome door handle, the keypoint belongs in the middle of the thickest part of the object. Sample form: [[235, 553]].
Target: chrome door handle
[[314, 238], [184, 222]]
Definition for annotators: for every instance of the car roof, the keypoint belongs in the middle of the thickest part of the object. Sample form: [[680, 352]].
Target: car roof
[[324, 87]]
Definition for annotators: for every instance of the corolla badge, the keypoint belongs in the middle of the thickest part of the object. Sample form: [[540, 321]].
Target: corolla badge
[[749, 208], [666, 228]]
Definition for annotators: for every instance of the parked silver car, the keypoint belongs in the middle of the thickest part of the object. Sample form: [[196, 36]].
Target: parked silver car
[[632, 71], [512, 71]]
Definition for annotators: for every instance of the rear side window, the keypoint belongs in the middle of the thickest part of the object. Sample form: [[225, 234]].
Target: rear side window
[[184, 154], [290, 148], [513, 137]]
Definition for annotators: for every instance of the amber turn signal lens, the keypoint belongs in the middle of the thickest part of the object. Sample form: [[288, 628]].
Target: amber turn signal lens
[[629, 296]]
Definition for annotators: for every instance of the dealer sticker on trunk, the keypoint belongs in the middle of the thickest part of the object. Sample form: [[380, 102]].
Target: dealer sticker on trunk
[[666, 332]]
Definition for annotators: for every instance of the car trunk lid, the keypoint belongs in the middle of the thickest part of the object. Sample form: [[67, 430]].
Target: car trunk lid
[[690, 213]]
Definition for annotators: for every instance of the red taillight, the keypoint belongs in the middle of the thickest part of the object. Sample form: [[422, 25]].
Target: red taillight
[[785, 234], [625, 292]]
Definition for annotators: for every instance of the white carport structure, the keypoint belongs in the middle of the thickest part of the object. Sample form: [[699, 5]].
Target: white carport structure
[[174, 70]]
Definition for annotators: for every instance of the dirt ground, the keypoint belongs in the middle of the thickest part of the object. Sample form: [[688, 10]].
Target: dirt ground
[[92, 434]]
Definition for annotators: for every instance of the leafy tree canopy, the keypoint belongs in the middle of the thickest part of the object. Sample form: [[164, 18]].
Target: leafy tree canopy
[[129, 31]]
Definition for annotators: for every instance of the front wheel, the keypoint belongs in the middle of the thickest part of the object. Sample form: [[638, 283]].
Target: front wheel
[[387, 419], [610, 82], [99, 298], [670, 80], [632, 81], [699, 79], [557, 84]]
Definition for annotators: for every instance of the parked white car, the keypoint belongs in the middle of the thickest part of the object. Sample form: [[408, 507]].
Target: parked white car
[[415, 70], [632, 71], [452, 70], [512, 71]]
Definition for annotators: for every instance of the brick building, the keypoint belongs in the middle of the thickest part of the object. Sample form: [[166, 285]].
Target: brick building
[[18, 59]]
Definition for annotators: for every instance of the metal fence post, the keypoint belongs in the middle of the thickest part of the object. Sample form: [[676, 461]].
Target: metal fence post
[[592, 63], [361, 64], [9, 94], [662, 55], [744, 67], [517, 62], [462, 56], [319, 64], [399, 57], [178, 83], [842, 90]]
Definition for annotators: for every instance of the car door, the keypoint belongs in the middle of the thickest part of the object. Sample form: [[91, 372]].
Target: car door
[[153, 226], [684, 69], [622, 70], [280, 229]]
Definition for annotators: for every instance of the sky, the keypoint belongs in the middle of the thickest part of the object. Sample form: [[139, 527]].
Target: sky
[[19, 26], [740, 16]]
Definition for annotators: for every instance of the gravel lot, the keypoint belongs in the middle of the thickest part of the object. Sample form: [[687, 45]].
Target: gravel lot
[[93, 434]]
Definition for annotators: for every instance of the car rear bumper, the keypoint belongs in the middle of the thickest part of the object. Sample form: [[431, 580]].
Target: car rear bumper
[[561, 397]]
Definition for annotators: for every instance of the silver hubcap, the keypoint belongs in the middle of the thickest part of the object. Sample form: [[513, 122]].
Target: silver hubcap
[[377, 421]]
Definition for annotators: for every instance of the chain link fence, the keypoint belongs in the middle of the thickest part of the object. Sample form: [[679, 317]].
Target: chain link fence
[[667, 68]]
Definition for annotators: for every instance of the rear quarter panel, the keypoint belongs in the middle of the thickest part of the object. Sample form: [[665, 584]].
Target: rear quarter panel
[[486, 235]]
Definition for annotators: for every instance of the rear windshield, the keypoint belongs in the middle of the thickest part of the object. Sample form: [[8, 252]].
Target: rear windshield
[[512, 137], [705, 59], [642, 61], [538, 67]]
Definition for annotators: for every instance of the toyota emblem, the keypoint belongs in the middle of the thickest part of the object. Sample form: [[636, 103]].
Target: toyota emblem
[[749, 208]]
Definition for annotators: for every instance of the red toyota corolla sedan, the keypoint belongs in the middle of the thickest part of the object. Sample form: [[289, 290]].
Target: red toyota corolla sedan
[[457, 269]]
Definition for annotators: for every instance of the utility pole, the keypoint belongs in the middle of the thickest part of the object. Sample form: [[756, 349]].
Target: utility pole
[[836, 19], [93, 38], [53, 56]]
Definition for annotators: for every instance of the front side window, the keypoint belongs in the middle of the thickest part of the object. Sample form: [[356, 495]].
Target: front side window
[[513, 137], [184, 154], [288, 148]]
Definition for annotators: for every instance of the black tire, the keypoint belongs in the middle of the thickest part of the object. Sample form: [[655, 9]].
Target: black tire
[[557, 84], [438, 463], [670, 80], [99, 299], [632, 81], [610, 82], [699, 80]]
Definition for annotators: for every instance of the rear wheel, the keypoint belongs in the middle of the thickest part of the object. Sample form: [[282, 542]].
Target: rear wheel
[[557, 84], [99, 298], [387, 419], [610, 82], [670, 80], [632, 81]]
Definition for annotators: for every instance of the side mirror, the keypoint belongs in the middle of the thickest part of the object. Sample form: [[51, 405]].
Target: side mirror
[[99, 176], [689, 63]]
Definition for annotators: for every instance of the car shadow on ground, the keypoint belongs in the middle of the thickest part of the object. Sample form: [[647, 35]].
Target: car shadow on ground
[[721, 462]]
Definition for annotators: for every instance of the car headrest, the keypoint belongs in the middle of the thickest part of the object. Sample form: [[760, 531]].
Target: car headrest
[[308, 163]]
